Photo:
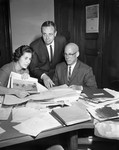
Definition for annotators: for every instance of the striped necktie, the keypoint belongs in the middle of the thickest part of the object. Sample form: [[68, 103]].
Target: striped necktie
[[69, 73]]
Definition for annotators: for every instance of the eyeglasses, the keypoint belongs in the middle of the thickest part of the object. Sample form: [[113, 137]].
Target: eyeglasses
[[70, 54]]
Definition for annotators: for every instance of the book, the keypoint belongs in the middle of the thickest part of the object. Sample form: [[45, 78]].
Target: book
[[71, 115], [106, 112], [96, 95]]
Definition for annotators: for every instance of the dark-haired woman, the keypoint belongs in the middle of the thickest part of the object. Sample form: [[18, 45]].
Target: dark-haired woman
[[21, 60]]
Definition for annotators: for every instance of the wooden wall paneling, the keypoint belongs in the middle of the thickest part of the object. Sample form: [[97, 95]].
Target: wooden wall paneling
[[5, 46]]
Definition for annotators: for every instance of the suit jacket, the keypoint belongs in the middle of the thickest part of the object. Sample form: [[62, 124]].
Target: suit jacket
[[81, 75], [40, 63]]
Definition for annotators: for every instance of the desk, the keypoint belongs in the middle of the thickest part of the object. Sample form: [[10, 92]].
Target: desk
[[12, 136]]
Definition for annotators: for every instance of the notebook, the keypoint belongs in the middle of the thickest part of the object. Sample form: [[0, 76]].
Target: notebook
[[97, 93], [71, 115]]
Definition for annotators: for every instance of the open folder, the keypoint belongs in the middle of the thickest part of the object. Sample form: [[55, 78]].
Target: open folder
[[30, 84]]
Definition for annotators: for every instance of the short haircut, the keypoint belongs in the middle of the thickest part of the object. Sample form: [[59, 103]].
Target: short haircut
[[20, 51], [48, 24]]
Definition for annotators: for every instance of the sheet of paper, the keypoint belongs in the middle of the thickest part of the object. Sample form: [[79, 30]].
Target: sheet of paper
[[1, 130], [12, 99], [34, 126], [51, 94], [41, 88], [20, 114], [1, 99], [5, 112]]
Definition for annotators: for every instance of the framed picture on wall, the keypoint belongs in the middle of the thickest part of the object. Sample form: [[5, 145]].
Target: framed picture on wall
[[92, 18]]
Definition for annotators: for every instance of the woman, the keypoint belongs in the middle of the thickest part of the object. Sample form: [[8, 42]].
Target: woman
[[21, 60]]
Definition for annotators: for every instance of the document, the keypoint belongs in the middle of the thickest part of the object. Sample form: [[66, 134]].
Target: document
[[71, 115], [16, 81], [35, 125], [106, 112], [13, 100], [51, 94], [31, 84], [1, 130], [5, 112], [20, 113]]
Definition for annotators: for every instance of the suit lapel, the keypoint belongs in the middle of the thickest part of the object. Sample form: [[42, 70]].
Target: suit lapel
[[76, 69], [64, 74], [55, 50], [44, 47]]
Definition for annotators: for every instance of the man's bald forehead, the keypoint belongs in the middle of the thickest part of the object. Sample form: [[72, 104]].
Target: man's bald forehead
[[72, 46]]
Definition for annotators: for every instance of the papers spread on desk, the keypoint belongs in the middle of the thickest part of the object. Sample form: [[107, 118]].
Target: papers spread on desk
[[46, 96], [5, 112], [71, 114], [35, 125], [20, 114], [105, 112]]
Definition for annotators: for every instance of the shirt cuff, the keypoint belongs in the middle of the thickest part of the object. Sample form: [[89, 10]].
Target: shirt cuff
[[42, 75]]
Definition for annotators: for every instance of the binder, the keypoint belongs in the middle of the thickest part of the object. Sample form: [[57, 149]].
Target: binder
[[70, 115], [97, 93]]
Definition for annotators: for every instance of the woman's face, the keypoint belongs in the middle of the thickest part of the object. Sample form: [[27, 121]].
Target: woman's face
[[25, 60]]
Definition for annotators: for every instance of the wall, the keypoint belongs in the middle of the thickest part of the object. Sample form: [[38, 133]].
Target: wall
[[27, 17]]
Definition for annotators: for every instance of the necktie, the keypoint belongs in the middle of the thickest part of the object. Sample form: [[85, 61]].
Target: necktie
[[51, 53], [69, 73]]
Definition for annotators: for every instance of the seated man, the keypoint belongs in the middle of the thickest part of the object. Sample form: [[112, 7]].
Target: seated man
[[73, 72]]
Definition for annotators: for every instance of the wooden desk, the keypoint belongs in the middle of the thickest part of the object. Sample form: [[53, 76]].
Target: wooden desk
[[69, 134]]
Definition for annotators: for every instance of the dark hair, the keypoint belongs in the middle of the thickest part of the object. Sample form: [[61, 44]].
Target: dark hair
[[20, 51], [48, 24]]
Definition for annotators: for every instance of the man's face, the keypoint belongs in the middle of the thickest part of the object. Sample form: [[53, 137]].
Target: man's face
[[48, 34], [70, 55]]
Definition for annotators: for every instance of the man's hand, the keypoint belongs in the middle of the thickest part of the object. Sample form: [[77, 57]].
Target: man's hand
[[47, 81], [76, 87]]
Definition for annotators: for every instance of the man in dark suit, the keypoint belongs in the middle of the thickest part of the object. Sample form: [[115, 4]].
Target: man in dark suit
[[73, 72], [48, 52]]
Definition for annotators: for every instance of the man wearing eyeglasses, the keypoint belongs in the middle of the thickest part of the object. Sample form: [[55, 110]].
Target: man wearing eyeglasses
[[73, 72]]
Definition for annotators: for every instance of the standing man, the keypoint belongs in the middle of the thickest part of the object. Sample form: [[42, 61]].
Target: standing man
[[73, 72], [48, 52]]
